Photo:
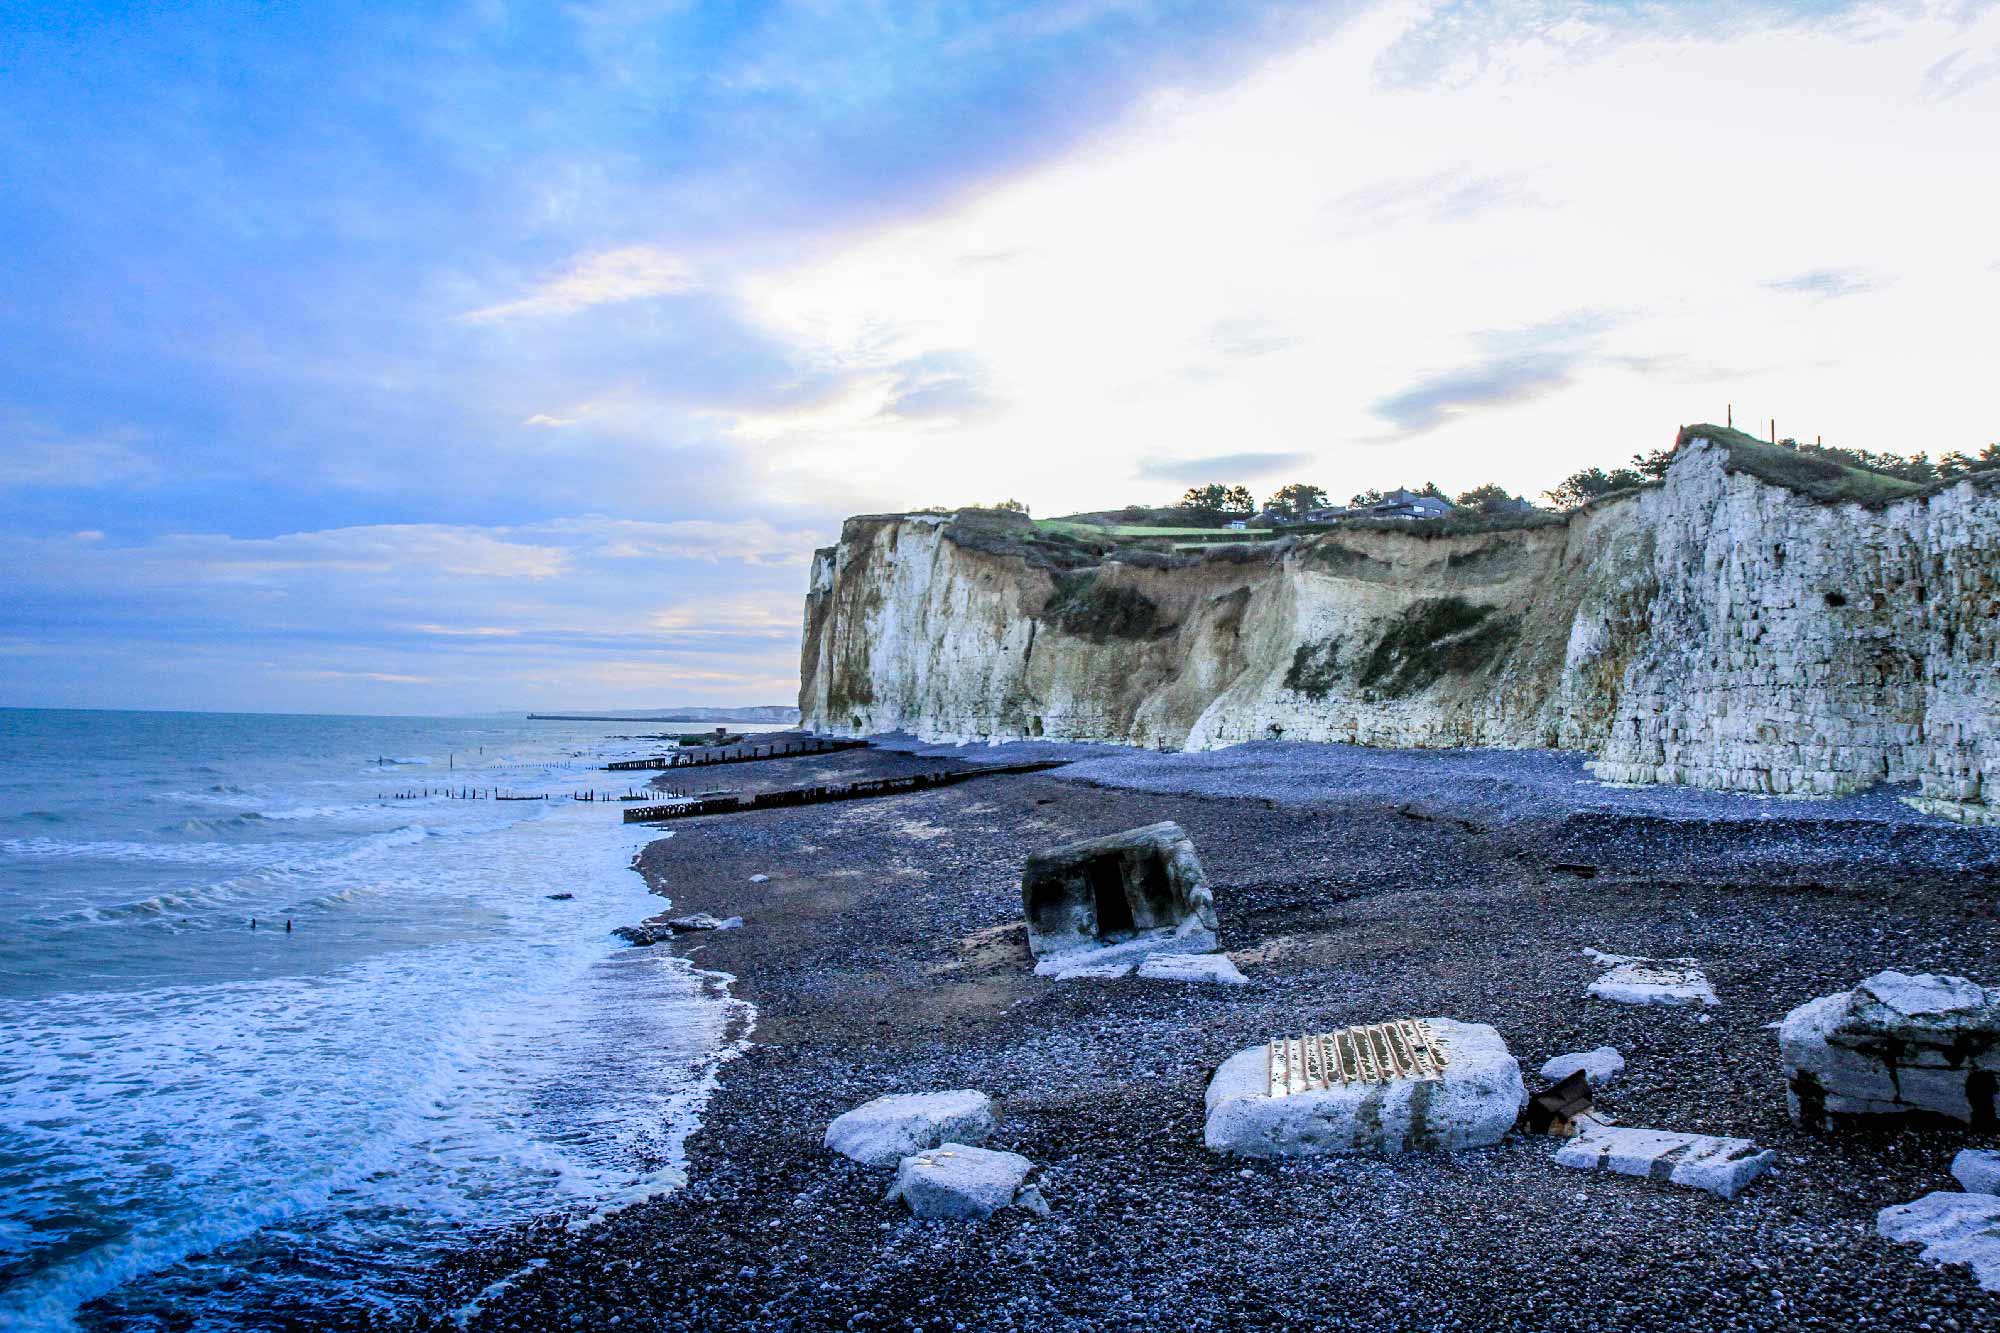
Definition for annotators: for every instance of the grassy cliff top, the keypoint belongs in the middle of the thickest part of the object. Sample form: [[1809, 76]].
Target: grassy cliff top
[[1823, 479]]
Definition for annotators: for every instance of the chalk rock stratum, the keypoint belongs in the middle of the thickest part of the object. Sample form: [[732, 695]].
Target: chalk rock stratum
[[1725, 628]]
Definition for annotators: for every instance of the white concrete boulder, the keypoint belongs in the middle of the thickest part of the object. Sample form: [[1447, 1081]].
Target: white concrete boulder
[[960, 1182], [1600, 1067], [1117, 898], [1952, 1228], [1665, 981], [888, 1129], [1977, 1170], [1722, 1166], [1895, 1045], [1473, 1104]]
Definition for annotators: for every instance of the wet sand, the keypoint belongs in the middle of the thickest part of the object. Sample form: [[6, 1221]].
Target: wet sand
[[885, 953]]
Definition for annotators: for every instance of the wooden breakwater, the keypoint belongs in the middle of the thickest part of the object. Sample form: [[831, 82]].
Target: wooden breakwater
[[833, 791], [740, 753]]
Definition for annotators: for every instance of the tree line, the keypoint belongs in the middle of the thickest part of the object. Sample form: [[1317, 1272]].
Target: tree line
[[1219, 502]]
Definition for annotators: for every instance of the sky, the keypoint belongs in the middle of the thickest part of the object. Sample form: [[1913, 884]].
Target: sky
[[426, 358]]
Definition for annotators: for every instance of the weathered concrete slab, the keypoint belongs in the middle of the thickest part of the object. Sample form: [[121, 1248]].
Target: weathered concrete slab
[[1977, 1170], [1125, 895], [1665, 981], [1952, 1228], [1213, 968], [1896, 1045], [1601, 1066], [1722, 1166], [1086, 968], [888, 1129], [964, 1183], [1474, 1104]]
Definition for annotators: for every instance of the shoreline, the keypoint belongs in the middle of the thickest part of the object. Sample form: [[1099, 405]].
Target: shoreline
[[885, 954]]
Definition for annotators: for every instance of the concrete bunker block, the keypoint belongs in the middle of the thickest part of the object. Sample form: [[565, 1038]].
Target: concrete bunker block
[[963, 1183], [1722, 1166], [1123, 895], [1896, 1045], [888, 1129], [1472, 1104], [1952, 1228]]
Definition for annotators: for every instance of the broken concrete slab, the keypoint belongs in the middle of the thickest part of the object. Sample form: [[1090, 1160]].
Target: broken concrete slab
[[1666, 981], [1088, 969], [1896, 1045], [960, 1182], [1473, 1103], [1722, 1166], [1952, 1228], [1977, 1170], [1124, 895], [1601, 1066], [888, 1129], [1214, 968]]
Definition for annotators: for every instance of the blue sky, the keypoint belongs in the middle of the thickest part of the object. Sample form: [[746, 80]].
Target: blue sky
[[437, 358]]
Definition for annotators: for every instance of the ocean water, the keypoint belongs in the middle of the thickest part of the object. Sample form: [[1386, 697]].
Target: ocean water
[[205, 1125]]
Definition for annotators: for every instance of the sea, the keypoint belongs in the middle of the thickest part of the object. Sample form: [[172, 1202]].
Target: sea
[[286, 1012]]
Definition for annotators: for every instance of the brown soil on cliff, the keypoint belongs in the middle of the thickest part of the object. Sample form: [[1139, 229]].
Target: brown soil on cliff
[[885, 953]]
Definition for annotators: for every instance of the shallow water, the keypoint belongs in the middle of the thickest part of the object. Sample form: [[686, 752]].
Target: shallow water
[[204, 1122]]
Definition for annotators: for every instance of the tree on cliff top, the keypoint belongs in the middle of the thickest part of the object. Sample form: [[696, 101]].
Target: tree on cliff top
[[1585, 485], [1297, 498], [1487, 499], [1216, 500]]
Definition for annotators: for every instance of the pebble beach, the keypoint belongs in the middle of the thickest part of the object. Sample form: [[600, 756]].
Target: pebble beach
[[885, 952]]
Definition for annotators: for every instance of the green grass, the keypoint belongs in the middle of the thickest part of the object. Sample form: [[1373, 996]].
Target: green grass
[[1806, 474], [1192, 536]]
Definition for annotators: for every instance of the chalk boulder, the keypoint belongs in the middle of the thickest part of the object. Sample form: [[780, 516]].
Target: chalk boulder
[[1600, 1067], [1977, 1170], [1722, 1166], [964, 1183], [1212, 968], [888, 1129], [1952, 1228], [1895, 1045], [1473, 1104], [1117, 897]]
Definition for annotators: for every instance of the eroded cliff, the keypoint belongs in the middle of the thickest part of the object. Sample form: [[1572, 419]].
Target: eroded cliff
[[1717, 629]]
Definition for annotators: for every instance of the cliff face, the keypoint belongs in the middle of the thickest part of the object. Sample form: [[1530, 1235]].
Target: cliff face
[[1717, 630]]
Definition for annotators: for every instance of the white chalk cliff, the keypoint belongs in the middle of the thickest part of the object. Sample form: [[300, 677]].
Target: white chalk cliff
[[1716, 629]]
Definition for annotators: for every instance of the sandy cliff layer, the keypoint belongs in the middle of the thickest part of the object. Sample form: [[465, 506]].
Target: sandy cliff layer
[[1716, 629]]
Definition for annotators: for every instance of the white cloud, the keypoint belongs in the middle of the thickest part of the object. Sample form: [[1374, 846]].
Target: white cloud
[[1663, 177], [33, 456], [633, 273], [544, 419]]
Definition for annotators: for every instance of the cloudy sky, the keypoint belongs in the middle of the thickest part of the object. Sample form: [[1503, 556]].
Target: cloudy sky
[[440, 358]]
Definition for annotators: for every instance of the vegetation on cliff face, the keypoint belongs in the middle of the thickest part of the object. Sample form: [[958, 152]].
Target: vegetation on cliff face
[[1082, 605], [1433, 638], [1315, 669]]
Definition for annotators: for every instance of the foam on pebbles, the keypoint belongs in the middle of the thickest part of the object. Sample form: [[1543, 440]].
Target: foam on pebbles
[[1722, 1166], [888, 1129], [1473, 1104], [1601, 1066], [1667, 981], [1952, 1228], [961, 1183]]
